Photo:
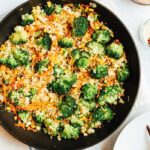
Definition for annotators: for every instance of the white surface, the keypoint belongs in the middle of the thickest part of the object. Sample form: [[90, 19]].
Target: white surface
[[133, 15], [137, 132]]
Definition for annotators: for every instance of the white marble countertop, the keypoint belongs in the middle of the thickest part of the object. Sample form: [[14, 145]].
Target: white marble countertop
[[133, 15]]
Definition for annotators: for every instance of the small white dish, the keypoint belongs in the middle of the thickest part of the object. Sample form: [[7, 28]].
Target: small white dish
[[145, 32], [134, 136]]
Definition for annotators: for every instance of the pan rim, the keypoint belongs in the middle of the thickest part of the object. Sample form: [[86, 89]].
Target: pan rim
[[138, 84]]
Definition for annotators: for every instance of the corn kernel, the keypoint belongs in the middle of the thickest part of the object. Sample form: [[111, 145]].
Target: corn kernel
[[49, 4]]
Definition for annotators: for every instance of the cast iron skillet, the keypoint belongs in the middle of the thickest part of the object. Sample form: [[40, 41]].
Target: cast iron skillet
[[39, 139]]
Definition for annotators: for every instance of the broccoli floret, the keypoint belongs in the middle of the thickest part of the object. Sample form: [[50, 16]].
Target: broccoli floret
[[62, 85], [27, 19], [89, 105], [49, 8], [66, 110], [75, 121], [23, 115], [82, 62], [59, 86], [123, 73], [88, 91], [58, 9], [65, 42], [6, 81], [110, 94], [57, 71], [52, 127], [99, 72], [39, 118], [70, 132], [68, 106], [85, 54], [18, 58], [95, 48], [11, 62], [20, 36], [70, 101], [76, 54], [32, 92], [22, 57], [45, 41], [103, 114], [81, 58], [80, 26], [2, 61], [114, 50], [14, 96], [101, 36], [41, 65]]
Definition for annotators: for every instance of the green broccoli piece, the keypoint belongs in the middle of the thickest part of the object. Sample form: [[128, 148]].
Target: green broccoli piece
[[68, 106], [80, 26], [70, 101], [18, 58], [82, 62], [62, 85], [49, 9], [114, 50], [76, 53], [99, 72], [11, 62], [95, 48], [88, 91], [45, 41], [101, 36], [70, 132], [23, 115], [66, 110], [3, 61], [75, 121], [22, 57], [110, 94], [123, 73], [103, 114], [6, 81], [85, 54], [81, 58], [41, 65], [39, 118], [32, 92], [20, 36], [65, 42], [52, 127], [57, 71], [89, 105], [27, 19], [14, 96], [58, 9]]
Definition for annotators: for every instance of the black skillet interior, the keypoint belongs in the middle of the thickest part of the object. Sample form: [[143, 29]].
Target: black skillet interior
[[42, 141]]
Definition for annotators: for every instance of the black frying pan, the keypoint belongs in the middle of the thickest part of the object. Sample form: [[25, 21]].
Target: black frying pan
[[39, 139]]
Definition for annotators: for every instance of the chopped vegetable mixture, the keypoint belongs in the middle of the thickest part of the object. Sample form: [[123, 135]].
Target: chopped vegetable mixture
[[62, 70]]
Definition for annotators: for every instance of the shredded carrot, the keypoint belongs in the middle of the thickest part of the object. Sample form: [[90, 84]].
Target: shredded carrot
[[36, 105], [22, 125]]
